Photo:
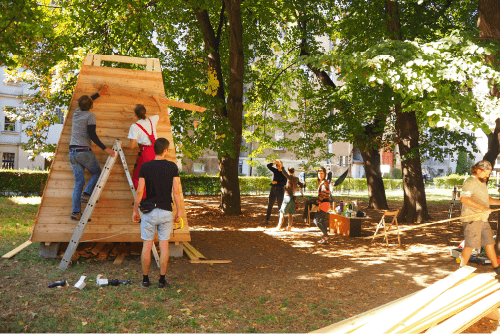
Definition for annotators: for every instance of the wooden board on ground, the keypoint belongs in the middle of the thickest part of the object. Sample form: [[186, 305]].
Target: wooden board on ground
[[17, 249], [211, 261], [112, 217], [474, 296], [193, 250]]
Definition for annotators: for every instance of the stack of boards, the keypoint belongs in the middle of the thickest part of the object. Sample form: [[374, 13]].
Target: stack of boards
[[450, 305]]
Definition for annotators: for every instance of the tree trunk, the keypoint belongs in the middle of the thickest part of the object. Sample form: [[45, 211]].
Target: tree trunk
[[230, 188], [376, 190], [489, 27], [415, 205], [228, 164], [369, 146]]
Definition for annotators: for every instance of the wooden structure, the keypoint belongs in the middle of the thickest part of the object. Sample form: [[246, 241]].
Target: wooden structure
[[450, 305], [387, 227], [112, 217], [347, 226]]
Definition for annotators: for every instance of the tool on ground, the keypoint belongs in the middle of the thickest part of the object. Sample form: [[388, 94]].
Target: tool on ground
[[81, 283], [101, 280], [115, 282], [80, 228], [57, 284]]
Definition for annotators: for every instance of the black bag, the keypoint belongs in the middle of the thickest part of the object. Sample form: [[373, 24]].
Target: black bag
[[146, 206]]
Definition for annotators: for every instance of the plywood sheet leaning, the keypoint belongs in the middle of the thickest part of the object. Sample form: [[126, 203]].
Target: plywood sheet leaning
[[112, 217]]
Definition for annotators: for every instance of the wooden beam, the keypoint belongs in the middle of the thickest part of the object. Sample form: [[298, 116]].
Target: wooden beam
[[120, 91], [189, 253], [125, 59], [469, 316], [211, 261], [193, 250], [17, 250], [384, 323]]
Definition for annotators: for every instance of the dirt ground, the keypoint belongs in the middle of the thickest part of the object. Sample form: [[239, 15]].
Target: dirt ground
[[361, 274], [283, 281]]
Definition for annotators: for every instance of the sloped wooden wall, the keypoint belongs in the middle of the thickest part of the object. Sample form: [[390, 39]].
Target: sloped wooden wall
[[112, 217]]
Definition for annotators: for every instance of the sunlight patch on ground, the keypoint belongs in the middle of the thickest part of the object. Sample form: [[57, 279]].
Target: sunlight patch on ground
[[26, 200]]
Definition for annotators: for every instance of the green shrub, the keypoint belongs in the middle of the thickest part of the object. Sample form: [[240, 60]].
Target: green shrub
[[200, 185], [23, 182]]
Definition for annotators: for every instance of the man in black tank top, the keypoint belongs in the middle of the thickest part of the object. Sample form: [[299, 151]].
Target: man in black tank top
[[158, 177]]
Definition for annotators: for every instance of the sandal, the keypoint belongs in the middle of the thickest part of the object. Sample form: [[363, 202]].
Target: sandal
[[323, 241]]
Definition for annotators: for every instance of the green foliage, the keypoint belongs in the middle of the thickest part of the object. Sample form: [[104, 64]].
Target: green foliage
[[22, 182], [262, 170], [449, 181], [464, 163], [396, 173], [200, 185]]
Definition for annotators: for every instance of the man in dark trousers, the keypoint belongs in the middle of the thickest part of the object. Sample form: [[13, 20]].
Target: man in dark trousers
[[81, 157], [277, 190], [158, 177]]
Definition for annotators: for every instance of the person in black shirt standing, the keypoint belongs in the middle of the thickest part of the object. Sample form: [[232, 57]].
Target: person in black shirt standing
[[277, 190], [158, 177]]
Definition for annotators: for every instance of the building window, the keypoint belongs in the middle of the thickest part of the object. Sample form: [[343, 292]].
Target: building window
[[240, 167], [279, 135], [60, 115], [9, 124], [198, 167], [8, 160]]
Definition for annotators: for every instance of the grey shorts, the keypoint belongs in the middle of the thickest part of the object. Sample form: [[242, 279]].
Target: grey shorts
[[158, 218], [478, 233]]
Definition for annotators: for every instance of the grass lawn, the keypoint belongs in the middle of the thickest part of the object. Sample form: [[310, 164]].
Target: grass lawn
[[292, 289]]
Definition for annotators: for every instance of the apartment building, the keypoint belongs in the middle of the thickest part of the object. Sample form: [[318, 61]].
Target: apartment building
[[11, 135]]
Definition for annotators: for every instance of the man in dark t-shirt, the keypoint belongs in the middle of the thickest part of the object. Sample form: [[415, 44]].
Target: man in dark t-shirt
[[158, 177]]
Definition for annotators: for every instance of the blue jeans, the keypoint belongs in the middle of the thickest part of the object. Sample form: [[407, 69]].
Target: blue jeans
[[79, 162]]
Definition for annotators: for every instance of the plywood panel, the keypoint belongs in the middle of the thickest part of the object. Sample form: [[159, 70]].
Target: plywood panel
[[114, 115]]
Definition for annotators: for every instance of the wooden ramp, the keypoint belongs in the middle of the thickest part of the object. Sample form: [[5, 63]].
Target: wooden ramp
[[450, 305], [112, 217]]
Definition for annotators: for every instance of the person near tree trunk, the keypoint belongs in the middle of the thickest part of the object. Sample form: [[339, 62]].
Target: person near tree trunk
[[289, 201], [322, 218], [277, 190], [475, 199]]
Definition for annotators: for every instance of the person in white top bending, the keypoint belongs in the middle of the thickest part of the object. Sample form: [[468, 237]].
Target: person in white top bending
[[143, 132]]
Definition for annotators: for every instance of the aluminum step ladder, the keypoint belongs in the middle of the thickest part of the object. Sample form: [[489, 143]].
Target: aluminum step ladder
[[87, 213]]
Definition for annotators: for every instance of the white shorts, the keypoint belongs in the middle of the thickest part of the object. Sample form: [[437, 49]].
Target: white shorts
[[158, 218]]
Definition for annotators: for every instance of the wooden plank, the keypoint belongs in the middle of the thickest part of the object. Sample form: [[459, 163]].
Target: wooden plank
[[103, 254], [17, 249], [189, 253], [125, 59], [469, 316], [119, 259], [193, 250], [410, 306], [97, 248], [211, 261], [88, 59], [449, 303], [149, 64], [109, 237], [97, 60]]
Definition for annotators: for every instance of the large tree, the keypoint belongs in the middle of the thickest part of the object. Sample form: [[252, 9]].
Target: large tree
[[203, 52]]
